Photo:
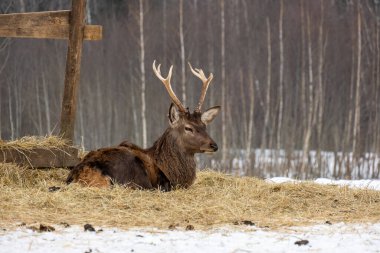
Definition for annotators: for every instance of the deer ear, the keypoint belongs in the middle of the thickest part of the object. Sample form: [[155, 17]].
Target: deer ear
[[173, 115], [210, 114]]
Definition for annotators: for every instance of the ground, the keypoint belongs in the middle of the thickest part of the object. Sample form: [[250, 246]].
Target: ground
[[319, 238], [219, 213]]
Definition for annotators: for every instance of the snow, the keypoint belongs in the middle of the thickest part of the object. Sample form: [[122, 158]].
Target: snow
[[271, 162], [322, 238], [280, 180], [338, 237], [362, 184]]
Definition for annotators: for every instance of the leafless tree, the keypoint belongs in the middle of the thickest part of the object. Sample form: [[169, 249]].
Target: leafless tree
[[300, 76], [142, 69]]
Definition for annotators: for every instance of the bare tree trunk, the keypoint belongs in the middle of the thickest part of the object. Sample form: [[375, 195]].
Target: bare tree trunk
[[22, 6], [3, 46], [134, 114], [223, 77], [99, 113], [39, 110], [47, 106], [244, 134], [1, 121], [11, 113], [281, 78], [320, 88], [142, 69], [377, 97], [181, 37], [306, 144], [356, 132], [250, 125], [242, 82], [18, 109], [136, 128], [113, 122], [81, 121], [196, 36], [267, 99], [88, 12], [348, 129], [303, 125], [376, 123], [210, 56], [164, 23]]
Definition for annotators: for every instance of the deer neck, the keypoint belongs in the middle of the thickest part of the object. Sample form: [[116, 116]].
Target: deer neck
[[178, 165]]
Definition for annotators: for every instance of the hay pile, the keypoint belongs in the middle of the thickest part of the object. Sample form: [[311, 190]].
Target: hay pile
[[40, 151], [214, 200], [31, 142]]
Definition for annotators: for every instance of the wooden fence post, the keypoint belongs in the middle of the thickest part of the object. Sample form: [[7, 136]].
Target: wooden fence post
[[72, 75]]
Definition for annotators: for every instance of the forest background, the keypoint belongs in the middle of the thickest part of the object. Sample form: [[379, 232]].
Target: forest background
[[298, 80]]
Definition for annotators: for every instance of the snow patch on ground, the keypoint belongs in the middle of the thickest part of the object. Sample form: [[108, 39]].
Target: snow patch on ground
[[360, 184], [321, 238]]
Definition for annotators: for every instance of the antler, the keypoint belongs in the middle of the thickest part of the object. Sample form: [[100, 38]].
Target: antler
[[206, 82], [168, 86]]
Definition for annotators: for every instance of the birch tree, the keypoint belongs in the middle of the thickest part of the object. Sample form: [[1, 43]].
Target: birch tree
[[310, 115], [321, 48], [356, 130], [47, 105], [250, 123], [142, 70], [223, 79], [182, 42], [281, 76], [268, 88], [164, 27]]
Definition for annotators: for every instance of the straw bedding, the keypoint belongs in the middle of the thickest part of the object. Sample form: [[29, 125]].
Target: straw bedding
[[41, 196]]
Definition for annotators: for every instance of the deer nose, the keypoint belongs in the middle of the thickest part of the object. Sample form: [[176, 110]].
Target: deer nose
[[214, 146]]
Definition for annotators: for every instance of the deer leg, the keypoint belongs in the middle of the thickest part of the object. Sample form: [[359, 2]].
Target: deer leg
[[163, 182]]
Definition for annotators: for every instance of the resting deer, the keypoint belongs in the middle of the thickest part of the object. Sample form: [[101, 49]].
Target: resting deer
[[168, 163]]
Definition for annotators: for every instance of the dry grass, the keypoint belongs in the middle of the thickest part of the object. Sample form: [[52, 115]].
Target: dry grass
[[214, 200], [31, 142]]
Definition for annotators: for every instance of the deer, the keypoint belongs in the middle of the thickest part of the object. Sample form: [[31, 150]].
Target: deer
[[169, 163]]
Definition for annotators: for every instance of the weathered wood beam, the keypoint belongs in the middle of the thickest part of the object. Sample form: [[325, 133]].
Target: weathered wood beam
[[43, 25], [30, 19], [73, 61], [91, 32], [41, 158]]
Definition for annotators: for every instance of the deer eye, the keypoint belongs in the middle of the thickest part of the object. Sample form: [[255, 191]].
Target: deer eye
[[189, 129]]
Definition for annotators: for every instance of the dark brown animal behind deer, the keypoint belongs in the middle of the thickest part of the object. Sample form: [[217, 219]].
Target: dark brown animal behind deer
[[168, 163]]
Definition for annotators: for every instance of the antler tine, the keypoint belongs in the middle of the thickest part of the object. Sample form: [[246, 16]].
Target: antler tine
[[168, 86], [206, 82]]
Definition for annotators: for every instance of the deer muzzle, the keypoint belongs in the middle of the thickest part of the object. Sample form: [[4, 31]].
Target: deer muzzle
[[209, 148], [214, 146]]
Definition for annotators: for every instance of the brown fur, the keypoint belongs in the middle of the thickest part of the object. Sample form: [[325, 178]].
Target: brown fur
[[91, 177], [148, 162], [177, 164], [117, 163]]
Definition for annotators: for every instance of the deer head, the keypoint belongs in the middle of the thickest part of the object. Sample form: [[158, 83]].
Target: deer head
[[189, 129]]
